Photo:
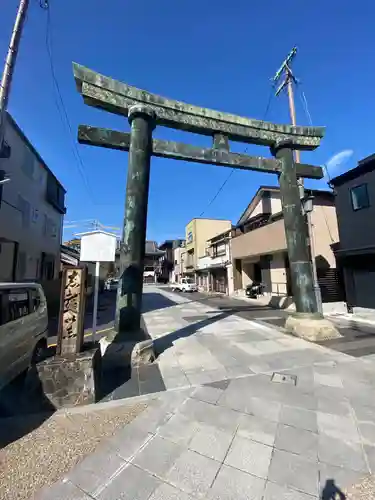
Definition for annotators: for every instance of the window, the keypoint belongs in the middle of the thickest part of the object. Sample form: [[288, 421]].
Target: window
[[55, 194], [35, 299], [25, 209], [18, 304], [359, 197]]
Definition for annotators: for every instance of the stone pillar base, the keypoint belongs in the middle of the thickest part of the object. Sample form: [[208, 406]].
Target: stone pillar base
[[121, 354], [66, 381], [312, 327]]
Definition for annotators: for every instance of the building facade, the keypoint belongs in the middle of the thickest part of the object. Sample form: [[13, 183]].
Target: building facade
[[167, 260], [152, 266], [198, 232], [259, 249], [215, 269], [355, 252], [31, 213]]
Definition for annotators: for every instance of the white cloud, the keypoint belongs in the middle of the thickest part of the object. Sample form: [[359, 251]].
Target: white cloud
[[337, 160]]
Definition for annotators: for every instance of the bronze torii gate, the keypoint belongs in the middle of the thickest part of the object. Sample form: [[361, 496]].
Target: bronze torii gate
[[144, 111]]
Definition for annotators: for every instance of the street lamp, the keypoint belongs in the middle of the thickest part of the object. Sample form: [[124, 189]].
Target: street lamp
[[308, 206]]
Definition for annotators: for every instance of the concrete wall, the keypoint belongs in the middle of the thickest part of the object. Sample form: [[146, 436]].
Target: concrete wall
[[198, 231], [325, 228], [278, 275], [25, 216], [356, 227], [265, 240]]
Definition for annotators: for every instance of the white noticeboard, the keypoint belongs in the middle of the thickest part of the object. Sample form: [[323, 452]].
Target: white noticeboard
[[98, 246]]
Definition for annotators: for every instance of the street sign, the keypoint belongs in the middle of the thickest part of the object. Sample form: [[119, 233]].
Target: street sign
[[98, 246]]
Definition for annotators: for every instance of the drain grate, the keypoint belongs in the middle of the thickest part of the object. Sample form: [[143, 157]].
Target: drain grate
[[283, 378]]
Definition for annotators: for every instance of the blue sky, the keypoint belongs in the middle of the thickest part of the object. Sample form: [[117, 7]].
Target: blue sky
[[215, 54]]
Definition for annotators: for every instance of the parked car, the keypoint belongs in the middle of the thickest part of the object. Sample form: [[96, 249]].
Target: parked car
[[111, 284], [23, 328], [185, 285]]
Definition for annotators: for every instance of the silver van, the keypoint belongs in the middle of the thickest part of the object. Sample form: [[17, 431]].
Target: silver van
[[23, 328]]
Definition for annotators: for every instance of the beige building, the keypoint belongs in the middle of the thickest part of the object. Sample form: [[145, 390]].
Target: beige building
[[259, 248], [355, 204], [198, 232]]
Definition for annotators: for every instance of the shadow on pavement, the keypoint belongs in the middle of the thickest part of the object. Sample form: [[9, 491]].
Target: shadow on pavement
[[20, 411], [154, 301], [161, 344], [332, 492]]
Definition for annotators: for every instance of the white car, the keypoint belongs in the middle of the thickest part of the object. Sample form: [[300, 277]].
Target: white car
[[185, 285], [23, 328]]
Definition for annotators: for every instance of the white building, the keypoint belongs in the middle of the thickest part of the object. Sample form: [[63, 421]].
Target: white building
[[214, 272], [31, 213]]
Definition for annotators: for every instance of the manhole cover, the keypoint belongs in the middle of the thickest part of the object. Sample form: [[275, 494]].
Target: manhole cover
[[283, 378]]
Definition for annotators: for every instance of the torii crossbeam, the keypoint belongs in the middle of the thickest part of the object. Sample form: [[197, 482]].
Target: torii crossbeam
[[145, 111]]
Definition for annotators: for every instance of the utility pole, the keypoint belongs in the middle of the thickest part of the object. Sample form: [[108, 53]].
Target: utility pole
[[10, 61], [287, 83]]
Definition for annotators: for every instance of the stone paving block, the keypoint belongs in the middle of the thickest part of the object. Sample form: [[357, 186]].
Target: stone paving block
[[257, 428], [334, 406], [253, 405], [131, 484], [299, 417], [338, 426], [343, 478], [365, 413], [294, 471], [179, 429], [176, 382], [207, 394], [370, 454], [337, 452], [193, 473], [329, 379], [199, 378], [223, 418], [249, 456], [300, 399], [299, 441], [158, 456], [96, 469], [276, 492], [367, 432], [129, 440], [233, 484], [168, 492], [63, 490], [211, 442]]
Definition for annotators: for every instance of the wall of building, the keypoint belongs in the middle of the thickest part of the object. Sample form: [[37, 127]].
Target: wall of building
[[326, 232], [25, 215], [356, 228], [198, 231], [278, 274], [265, 240]]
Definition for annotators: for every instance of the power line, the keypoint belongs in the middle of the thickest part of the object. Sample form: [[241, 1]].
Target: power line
[[45, 5]]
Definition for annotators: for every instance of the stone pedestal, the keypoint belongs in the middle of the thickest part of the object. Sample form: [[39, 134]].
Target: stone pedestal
[[124, 353], [312, 327], [66, 381]]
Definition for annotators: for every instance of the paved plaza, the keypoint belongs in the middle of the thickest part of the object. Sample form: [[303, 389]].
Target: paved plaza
[[246, 412]]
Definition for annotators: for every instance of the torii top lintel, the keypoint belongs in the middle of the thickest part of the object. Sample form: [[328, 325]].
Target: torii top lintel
[[117, 97]]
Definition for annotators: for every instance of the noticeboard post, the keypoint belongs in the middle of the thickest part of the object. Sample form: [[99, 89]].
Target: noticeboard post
[[97, 246]]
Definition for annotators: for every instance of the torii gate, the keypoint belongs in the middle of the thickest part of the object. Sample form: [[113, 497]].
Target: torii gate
[[145, 111]]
